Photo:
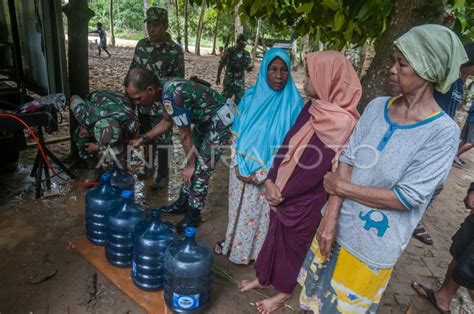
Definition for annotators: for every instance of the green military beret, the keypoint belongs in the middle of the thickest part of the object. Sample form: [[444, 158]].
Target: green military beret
[[157, 15]]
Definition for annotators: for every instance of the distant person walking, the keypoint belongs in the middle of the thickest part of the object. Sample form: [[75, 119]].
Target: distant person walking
[[102, 39]]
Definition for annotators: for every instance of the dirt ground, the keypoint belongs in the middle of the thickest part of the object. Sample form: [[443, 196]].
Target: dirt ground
[[42, 274]]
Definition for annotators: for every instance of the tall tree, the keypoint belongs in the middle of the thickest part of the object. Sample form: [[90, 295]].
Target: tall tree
[[146, 6], [214, 33], [178, 28], [197, 49], [257, 37], [335, 23], [186, 24], [239, 29], [406, 14], [111, 12]]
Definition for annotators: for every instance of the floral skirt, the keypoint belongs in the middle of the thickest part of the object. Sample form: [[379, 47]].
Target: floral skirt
[[249, 217], [340, 284]]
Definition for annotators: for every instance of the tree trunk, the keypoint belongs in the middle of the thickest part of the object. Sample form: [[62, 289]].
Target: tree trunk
[[214, 39], [146, 6], [176, 6], [197, 49], [186, 13], [226, 41], [78, 15], [112, 34], [255, 45], [238, 28], [405, 15]]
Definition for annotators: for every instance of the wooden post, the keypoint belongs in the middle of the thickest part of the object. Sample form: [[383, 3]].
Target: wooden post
[[78, 15]]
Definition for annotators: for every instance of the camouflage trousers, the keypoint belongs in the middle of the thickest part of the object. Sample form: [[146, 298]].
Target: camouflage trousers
[[234, 91], [210, 143], [147, 122]]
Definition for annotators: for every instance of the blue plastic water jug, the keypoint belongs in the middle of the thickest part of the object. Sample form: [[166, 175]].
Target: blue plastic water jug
[[150, 241], [99, 201], [188, 274], [120, 224], [121, 179]]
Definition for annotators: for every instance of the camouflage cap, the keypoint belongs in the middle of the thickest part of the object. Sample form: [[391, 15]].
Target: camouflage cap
[[157, 15], [241, 39], [80, 110]]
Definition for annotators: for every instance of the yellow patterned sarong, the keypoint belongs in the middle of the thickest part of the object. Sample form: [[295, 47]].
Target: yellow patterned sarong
[[340, 284]]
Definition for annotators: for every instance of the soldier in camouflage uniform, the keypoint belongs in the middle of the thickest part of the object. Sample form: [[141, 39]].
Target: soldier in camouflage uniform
[[164, 58], [236, 60], [187, 103], [107, 122]]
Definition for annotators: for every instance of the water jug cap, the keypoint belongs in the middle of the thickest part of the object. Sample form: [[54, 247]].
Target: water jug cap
[[105, 177], [156, 212], [190, 232], [127, 194]]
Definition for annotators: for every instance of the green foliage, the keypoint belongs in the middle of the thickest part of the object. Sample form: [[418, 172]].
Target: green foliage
[[128, 14], [459, 15], [333, 22]]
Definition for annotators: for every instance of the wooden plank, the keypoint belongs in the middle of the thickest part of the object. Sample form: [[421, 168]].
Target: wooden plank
[[151, 302], [51, 141]]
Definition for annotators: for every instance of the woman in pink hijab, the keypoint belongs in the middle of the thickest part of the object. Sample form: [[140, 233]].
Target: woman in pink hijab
[[294, 186]]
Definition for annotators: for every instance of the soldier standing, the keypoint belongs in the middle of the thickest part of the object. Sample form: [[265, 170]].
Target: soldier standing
[[236, 60], [107, 122], [186, 102], [164, 58]]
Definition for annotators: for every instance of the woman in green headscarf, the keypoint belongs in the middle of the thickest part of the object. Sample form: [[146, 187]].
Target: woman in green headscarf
[[401, 149]]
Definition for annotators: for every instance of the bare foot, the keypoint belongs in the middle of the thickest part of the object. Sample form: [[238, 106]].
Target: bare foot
[[272, 304], [247, 285]]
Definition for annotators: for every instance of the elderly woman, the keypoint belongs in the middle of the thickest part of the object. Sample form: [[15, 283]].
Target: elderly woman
[[265, 114], [294, 187], [400, 151]]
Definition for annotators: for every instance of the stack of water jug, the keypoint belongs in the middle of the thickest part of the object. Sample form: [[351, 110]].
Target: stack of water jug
[[134, 238]]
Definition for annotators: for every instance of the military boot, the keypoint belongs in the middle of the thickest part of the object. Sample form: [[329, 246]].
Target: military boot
[[191, 219], [180, 205]]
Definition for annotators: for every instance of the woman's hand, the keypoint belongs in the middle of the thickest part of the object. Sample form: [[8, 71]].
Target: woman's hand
[[327, 233], [273, 193], [188, 173], [252, 179], [332, 182]]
